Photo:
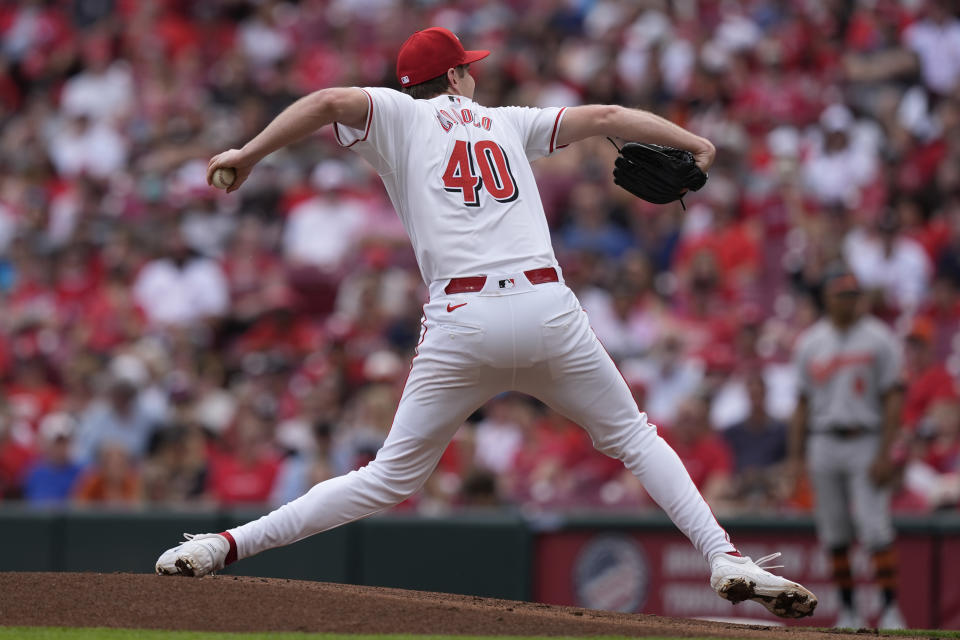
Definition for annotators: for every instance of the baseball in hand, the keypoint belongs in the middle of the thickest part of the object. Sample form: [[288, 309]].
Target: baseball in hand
[[224, 177]]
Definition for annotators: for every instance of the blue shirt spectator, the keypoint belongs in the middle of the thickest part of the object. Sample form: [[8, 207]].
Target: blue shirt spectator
[[119, 420], [49, 482], [759, 441], [52, 477]]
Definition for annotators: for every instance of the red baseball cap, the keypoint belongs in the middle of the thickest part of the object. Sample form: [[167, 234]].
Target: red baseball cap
[[429, 53], [922, 329]]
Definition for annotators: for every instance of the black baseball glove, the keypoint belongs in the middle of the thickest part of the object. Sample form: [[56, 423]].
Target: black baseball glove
[[656, 173]]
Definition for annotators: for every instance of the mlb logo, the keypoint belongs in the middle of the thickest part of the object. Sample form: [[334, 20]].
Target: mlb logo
[[405, 79], [507, 284]]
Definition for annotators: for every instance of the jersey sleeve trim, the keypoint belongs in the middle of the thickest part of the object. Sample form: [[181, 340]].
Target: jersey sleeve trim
[[366, 129], [556, 130]]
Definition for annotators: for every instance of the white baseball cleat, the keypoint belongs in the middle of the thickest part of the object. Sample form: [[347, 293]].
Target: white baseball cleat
[[737, 579], [891, 618], [201, 554], [848, 618]]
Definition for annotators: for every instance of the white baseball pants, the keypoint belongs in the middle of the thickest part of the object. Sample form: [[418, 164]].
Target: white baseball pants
[[510, 336]]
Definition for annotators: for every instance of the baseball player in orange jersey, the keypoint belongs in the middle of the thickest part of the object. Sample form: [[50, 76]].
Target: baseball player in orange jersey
[[499, 317]]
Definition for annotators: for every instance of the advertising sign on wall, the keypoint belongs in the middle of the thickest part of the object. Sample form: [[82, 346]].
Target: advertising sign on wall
[[659, 572]]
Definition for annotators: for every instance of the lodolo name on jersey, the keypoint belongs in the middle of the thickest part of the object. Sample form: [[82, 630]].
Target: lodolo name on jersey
[[449, 118]]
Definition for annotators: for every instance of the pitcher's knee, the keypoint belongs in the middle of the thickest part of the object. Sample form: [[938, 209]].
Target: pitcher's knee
[[627, 441], [389, 485]]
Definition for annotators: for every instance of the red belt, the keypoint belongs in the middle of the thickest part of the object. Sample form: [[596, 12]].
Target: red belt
[[475, 283]]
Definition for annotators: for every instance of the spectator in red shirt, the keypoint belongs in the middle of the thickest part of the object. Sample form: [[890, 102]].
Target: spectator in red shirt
[[110, 316], [15, 456], [703, 452], [246, 473], [934, 472], [942, 427], [31, 395], [702, 303], [927, 378], [729, 238]]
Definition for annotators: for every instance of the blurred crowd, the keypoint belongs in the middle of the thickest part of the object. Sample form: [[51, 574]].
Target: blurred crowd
[[163, 343]]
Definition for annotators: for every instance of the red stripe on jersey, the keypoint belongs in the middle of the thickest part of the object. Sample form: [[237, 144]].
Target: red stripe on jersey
[[556, 128], [366, 130]]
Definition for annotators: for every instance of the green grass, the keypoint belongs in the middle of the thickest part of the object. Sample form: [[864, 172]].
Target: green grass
[[895, 633], [100, 633], [927, 633]]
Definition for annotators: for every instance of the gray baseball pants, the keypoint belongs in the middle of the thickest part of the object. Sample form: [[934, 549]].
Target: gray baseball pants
[[848, 504]]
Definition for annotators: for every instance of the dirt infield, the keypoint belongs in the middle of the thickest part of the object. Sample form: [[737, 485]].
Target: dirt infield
[[230, 603]]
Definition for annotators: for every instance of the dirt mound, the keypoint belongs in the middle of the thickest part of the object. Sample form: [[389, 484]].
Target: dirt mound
[[231, 603]]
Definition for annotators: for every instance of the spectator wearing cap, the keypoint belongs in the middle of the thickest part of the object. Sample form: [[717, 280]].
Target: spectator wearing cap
[[320, 235], [322, 231], [245, 472], [50, 479], [843, 163], [927, 378]]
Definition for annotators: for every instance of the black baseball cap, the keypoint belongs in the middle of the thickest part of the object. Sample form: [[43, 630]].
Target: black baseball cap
[[840, 281]]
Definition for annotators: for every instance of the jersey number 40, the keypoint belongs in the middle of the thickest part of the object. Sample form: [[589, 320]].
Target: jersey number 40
[[494, 172]]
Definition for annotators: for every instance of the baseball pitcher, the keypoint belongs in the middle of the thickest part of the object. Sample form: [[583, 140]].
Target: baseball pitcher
[[849, 366], [499, 316]]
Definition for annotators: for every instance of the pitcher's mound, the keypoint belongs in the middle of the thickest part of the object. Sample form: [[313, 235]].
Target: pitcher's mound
[[230, 603]]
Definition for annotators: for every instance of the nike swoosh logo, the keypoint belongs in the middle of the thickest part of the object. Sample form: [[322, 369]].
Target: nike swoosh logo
[[451, 307]]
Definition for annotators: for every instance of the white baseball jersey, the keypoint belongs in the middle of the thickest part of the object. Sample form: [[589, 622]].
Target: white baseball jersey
[[458, 174]]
